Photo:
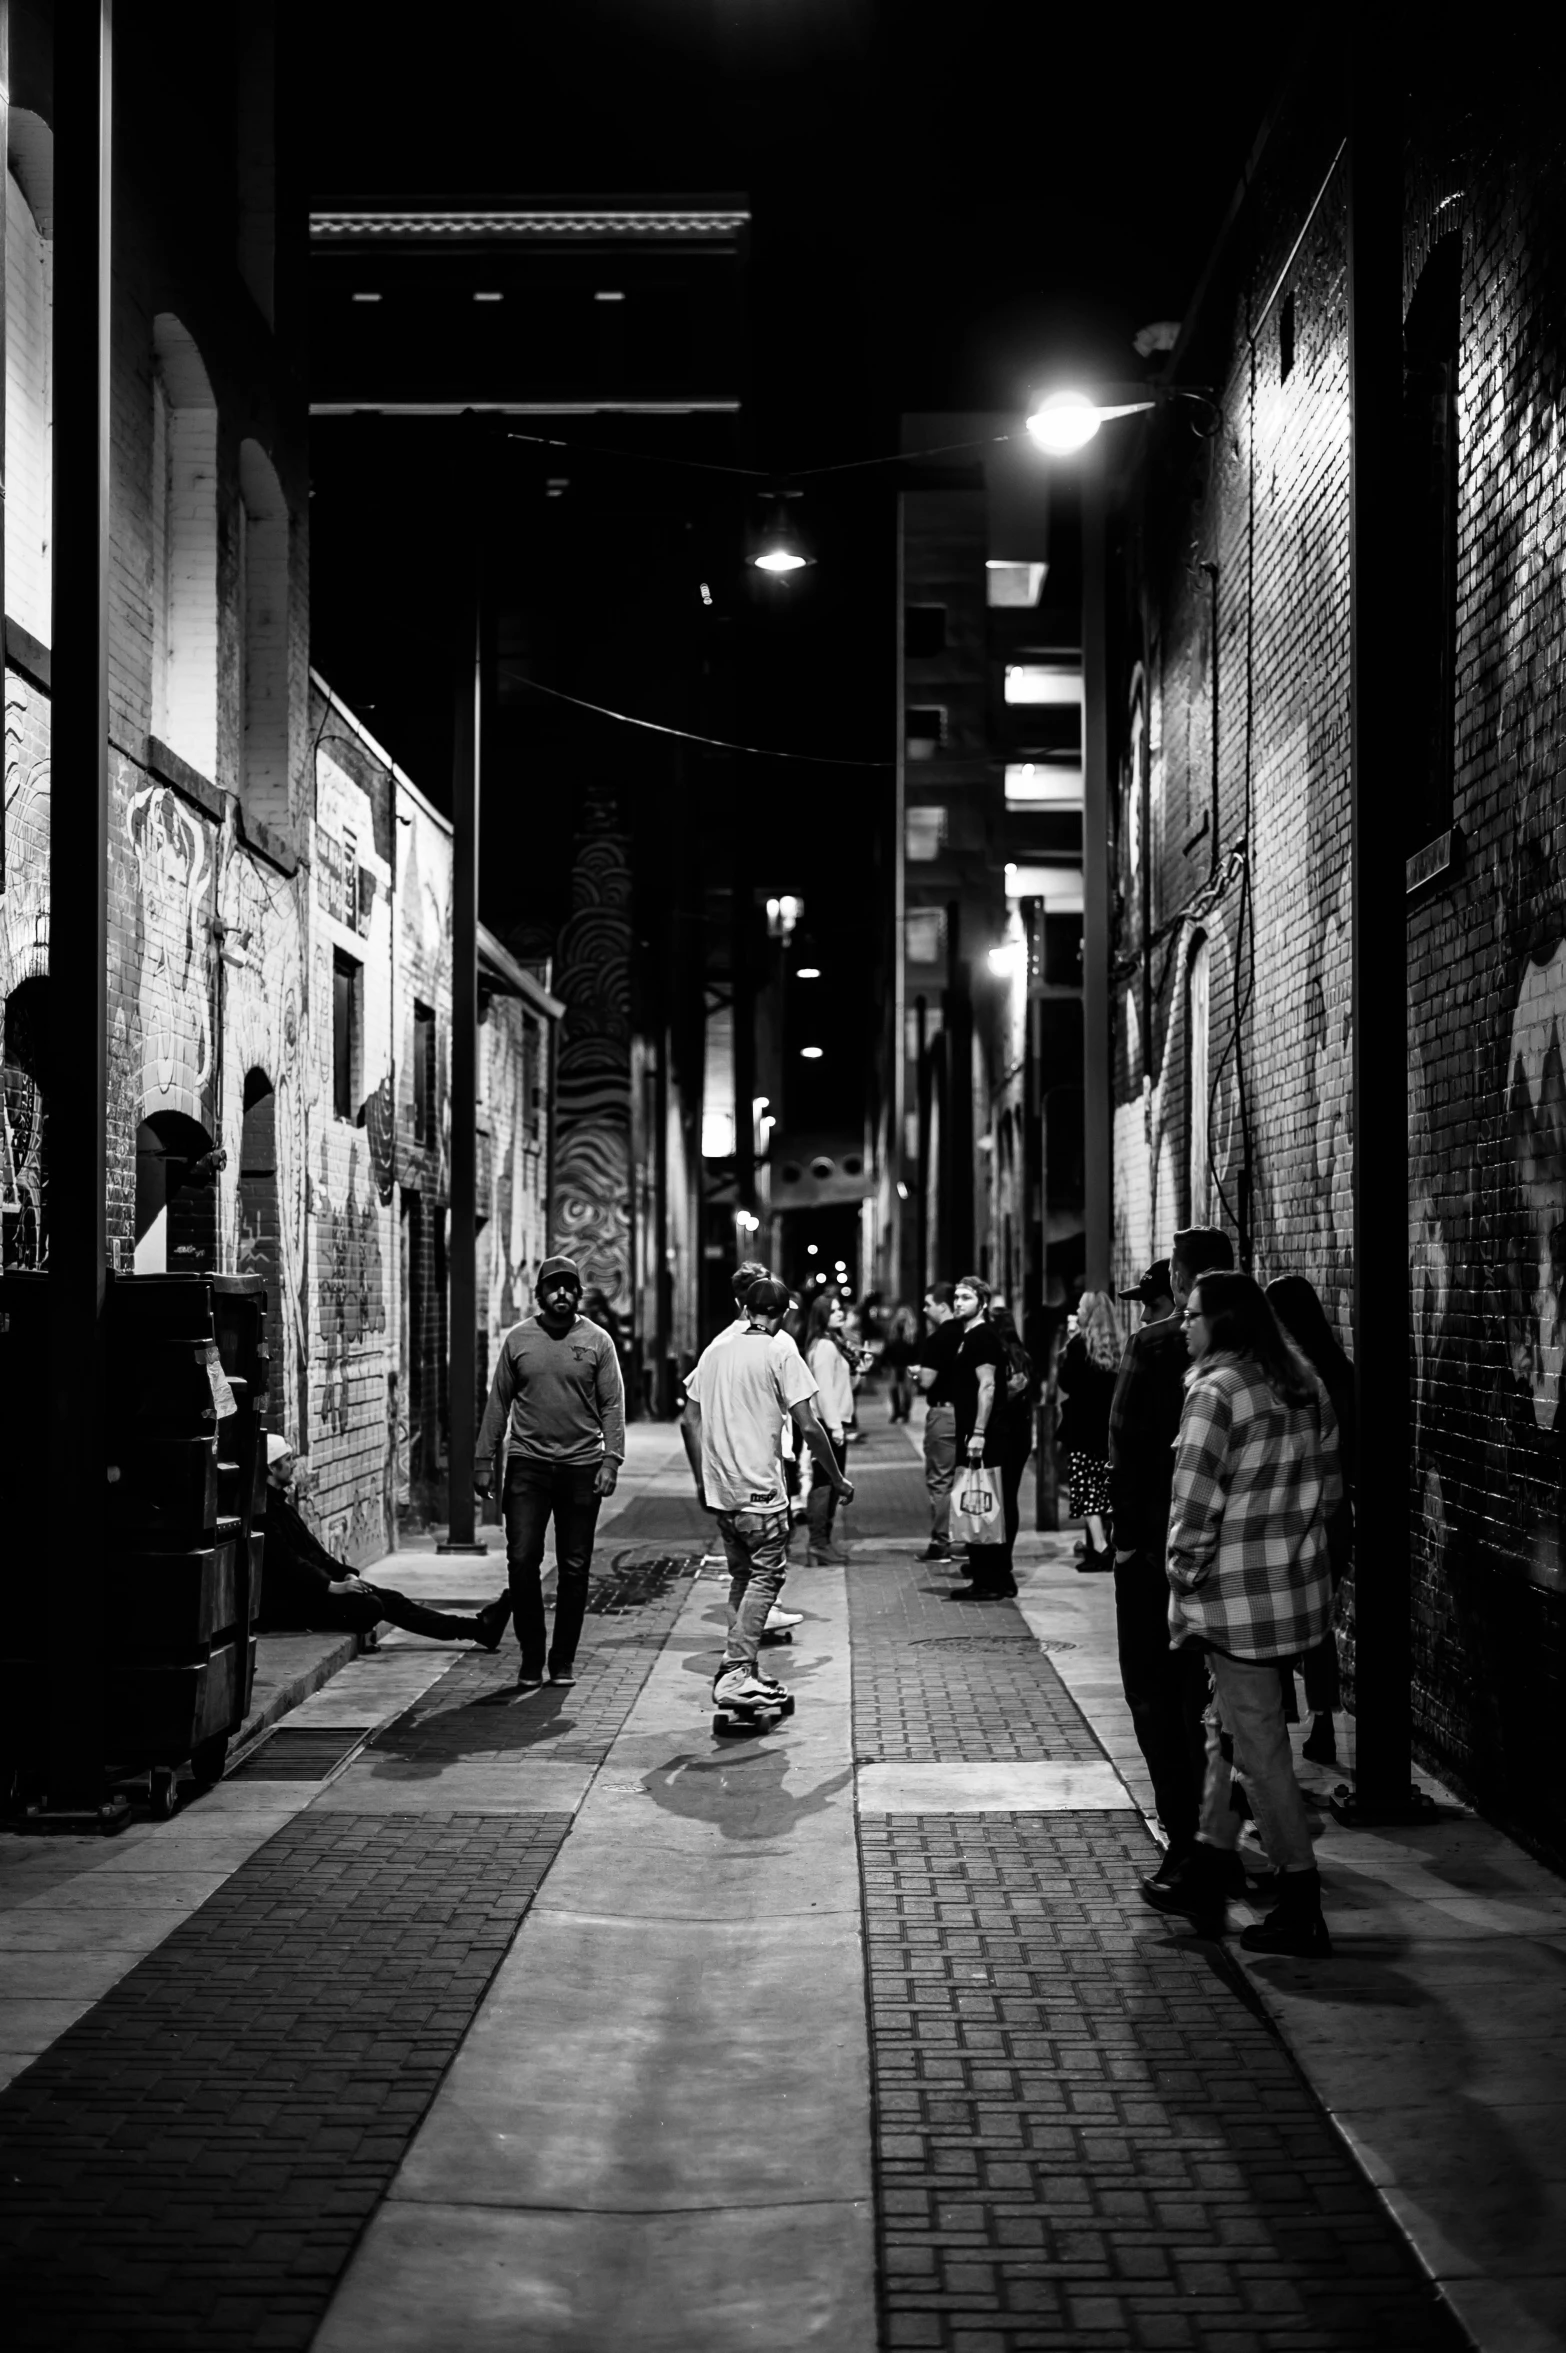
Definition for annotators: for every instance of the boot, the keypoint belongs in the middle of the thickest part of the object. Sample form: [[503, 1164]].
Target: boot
[[1320, 1744], [1194, 1890], [1295, 1926], [821, 1552]]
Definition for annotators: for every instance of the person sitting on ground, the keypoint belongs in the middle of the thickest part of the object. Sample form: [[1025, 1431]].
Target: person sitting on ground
[[1256, 1484], [1166, 1688], [829, 1361], [1295, 1303], [1087, 1372], [304, 1589], [740, 1394]]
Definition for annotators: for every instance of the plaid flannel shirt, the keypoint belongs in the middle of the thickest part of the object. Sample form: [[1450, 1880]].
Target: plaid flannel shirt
[[1256, 1484]]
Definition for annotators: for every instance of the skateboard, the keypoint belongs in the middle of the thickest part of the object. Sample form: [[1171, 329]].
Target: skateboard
[[732, 1721]]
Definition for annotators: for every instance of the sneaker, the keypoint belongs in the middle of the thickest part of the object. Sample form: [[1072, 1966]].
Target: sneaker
[[1296, 1927], [780, 1620], [940, 1552], [562, 1675], [528, 1683], [742, 1687]]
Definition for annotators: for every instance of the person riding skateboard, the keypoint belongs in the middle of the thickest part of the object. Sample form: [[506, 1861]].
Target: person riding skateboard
[[745, 1386]]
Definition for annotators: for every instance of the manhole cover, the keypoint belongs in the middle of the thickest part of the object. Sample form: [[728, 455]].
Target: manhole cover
[[988, 1642], [631, 1584], [301, 1752]]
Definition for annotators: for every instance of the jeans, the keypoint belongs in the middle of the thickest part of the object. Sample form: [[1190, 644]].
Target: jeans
[[1166, 1691], [534, 1491], [940, 1468], [756, 1546], [1248, 1705], [821, 1503]]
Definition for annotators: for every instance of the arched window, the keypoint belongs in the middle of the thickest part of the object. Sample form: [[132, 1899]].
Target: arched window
[[1198, 1086], [29, 363], [1431, 337], [184, 549], [264, 752], [176, 1197]]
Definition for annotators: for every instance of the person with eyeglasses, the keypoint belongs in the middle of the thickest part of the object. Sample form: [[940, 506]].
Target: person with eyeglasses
[[1257, 1484]]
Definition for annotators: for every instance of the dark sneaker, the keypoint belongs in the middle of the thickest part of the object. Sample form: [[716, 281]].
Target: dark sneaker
[[1295, 1926], [937, 1552], [562, 1674], [528, 1682]]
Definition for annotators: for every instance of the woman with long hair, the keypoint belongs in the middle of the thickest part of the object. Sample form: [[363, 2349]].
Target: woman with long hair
[[1295, 1303], [1256, 1483], [1087, 1375], [826, 1353], [1012, 1419]]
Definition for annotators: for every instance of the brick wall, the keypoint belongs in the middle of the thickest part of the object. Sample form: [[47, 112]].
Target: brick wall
[[1265, 500]]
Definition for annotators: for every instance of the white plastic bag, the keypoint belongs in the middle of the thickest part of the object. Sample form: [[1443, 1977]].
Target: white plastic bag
[[977, 1513]]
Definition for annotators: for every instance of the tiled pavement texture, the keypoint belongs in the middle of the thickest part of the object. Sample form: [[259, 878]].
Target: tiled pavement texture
[[191, 2164], [953, 1681], [633, 1600], [1086, 2136]]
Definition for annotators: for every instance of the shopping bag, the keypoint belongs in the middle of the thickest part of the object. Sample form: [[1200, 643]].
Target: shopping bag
[[977, 1515]]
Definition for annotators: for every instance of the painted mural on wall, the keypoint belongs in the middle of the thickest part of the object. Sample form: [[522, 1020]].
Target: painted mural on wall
[[590, 1214], [24, 965], [173, 849]]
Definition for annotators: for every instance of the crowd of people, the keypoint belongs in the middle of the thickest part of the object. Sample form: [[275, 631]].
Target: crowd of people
[[1210, 1463]]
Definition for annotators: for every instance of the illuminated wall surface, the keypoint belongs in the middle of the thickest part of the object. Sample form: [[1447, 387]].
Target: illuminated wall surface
[[1266, 500]]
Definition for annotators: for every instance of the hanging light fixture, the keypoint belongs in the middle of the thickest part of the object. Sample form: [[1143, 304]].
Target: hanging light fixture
[[779, 547]]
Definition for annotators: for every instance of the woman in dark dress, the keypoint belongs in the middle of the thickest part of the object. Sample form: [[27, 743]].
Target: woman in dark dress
[[1087, 1377], [1298, 1309]]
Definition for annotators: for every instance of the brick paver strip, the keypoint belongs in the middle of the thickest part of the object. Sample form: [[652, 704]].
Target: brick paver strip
[[192, 2162], [1086, 2136], [953, 1681]]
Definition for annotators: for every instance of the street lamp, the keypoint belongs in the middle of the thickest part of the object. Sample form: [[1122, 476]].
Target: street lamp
[[780, 548], [1067, 421]]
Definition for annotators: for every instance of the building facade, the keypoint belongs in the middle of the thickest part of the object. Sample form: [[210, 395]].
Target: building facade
[[1232, 978]]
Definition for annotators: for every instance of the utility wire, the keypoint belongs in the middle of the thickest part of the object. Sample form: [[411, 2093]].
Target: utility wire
[[639, 457], [718, 743]]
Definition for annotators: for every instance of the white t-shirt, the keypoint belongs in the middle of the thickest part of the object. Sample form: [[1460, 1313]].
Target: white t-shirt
[[746, 1384]]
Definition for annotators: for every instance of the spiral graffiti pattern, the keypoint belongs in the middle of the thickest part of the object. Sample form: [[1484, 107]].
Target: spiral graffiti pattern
[[590, 1215]]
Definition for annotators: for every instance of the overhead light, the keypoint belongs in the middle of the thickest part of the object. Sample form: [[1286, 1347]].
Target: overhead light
[[366, 297], [609, 294], [902, 1190], [1068, 421], [780, 549], [706, 592], [808, 972], [811, 1250], [489, 298], [1007, 958], [810, 1053]]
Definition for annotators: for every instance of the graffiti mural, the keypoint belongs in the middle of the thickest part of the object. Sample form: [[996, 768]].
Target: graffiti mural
[[590, 1216], [24, 965], [174, 873]]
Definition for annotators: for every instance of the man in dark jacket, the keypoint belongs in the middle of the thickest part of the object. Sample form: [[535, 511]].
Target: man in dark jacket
[[1166, 1690], [303, 1587]]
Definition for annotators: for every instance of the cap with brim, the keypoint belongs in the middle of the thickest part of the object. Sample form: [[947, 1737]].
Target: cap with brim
[[558, 1270], [766, 1297], [1154, 1284]]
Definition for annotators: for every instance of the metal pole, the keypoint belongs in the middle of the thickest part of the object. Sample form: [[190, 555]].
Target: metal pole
[[1096, 1067], [922, 1113], [462, 1262], [1382, 1354], [78, 911]]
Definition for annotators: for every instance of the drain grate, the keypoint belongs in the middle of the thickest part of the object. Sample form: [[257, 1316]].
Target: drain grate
[[298, 1752], [988, 1642], [632, 1583]]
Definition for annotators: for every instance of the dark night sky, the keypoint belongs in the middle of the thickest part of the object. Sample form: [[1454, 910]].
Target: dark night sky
[[948, 204]]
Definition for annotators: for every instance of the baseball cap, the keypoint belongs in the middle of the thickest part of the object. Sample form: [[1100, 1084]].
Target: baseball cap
[[1154, 1284], [558, 1270], [766, 1297]]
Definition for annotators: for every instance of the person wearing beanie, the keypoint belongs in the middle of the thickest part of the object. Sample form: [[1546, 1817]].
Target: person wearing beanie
[[304, 1590], [558, 1400], [746, 1385]]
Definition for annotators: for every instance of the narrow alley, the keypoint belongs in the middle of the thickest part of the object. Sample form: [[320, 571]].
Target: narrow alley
[[445, 2020]]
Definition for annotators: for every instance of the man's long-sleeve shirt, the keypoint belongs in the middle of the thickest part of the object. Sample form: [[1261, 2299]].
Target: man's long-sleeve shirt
[[1144, 1422], [563, 1395]]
